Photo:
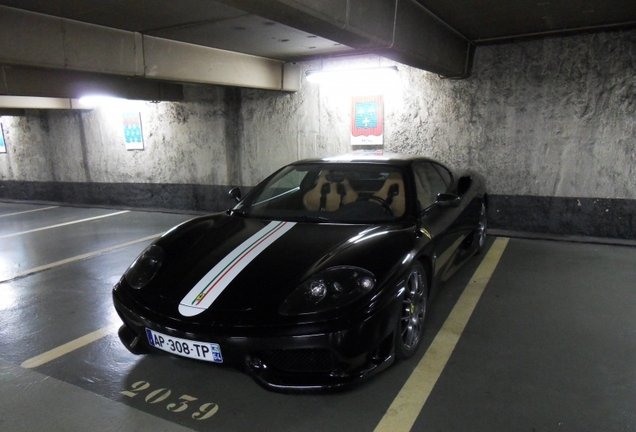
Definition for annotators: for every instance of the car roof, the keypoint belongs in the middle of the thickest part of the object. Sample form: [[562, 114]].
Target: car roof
[[368, 157]]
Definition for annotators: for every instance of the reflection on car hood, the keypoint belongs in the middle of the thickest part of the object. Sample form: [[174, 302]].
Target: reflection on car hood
[[261, 285]]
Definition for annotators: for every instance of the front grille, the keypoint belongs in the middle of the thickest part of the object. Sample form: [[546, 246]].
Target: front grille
[[300, 360]]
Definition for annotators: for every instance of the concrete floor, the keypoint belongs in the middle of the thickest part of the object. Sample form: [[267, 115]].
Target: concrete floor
[[550, 346]]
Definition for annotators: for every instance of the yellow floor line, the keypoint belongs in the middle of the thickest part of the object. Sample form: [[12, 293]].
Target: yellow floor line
[[68, 347], [407, 405], [28, 211], [78, 258], [64, 224]]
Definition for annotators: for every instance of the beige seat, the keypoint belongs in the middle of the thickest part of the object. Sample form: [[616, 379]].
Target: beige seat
[[392, 191], [329, 196]]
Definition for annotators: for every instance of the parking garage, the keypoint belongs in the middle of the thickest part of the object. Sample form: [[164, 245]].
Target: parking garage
[[536, 333]]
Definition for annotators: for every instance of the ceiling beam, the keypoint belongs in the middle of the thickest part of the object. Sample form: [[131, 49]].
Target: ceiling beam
[[402, 30], [27, 102], [179, 61], [12, 112], [33, 41], [62, 83]]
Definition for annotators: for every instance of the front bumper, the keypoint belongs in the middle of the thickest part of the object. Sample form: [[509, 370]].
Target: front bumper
[[284, 359]]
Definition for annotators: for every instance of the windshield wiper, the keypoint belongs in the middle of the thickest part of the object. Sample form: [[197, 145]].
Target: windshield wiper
[[307, 218]]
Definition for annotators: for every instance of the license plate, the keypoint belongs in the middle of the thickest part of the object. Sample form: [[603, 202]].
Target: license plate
[[183, 347]]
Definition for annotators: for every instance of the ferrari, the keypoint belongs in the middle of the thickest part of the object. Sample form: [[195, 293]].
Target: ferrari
[[319, 277]]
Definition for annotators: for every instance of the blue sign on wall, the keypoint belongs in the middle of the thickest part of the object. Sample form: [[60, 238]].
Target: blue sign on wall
[[132, 131], [366, 115], [3, 147], [367, 122]]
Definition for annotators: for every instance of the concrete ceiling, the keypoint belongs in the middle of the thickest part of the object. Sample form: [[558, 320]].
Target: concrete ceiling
[[221, 24], [434, 35], [491, 21]]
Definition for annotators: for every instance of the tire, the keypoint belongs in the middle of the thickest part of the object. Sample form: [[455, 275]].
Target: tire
[[482, 229], [412, 314]]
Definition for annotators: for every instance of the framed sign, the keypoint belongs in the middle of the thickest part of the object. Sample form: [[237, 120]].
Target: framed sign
[[132, 131], [3, 146], [367, 120]]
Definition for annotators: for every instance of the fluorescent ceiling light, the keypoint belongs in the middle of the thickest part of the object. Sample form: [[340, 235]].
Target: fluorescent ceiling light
[[357, 81], [109, 103], [342, 76], [94, 101]]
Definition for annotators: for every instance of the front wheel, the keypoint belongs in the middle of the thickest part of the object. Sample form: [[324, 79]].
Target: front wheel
[[410, 327], [482, 228]]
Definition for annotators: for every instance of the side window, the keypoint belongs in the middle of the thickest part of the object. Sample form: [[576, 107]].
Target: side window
[[446, 175], [428, 183]]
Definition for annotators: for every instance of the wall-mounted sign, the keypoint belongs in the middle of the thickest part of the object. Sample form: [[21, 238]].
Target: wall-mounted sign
[[3, 147], [367, 120], [132, 131]]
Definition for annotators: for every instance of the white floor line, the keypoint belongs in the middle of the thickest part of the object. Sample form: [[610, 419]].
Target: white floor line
[[79, 257], [64, 224], [28, 211], [68, 347]]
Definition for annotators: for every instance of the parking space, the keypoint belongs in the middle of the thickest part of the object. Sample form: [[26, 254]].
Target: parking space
[[549, 346]]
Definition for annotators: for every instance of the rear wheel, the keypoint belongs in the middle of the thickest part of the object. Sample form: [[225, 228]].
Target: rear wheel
[[410, 327]]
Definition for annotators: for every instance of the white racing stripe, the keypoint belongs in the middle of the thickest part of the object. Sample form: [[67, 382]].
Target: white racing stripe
[[216, 280]]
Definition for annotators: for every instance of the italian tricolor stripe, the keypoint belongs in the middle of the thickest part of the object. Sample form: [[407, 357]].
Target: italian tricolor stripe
[[206, 291]]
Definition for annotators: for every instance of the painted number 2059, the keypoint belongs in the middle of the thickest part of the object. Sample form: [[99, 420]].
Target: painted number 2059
[[205, 411]]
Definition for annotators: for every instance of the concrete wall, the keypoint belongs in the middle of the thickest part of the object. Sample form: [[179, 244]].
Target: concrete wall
[[551, 120], [555, 117]]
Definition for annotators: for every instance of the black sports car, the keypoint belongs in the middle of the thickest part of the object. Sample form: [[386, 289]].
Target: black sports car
[[320, 276]]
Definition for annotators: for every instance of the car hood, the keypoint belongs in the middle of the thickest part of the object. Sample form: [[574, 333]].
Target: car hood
[[260, 265]]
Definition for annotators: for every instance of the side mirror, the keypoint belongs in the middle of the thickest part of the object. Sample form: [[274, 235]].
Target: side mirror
[[447, 200], [464, 184], [235, 193]]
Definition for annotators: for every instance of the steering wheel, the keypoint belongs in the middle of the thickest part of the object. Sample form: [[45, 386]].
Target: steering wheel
[[385, 205]]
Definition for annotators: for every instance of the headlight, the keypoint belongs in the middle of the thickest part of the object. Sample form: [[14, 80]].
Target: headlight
[[335, 287], [145, 267]]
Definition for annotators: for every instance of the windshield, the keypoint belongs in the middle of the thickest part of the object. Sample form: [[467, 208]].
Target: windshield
[[353, 193]]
